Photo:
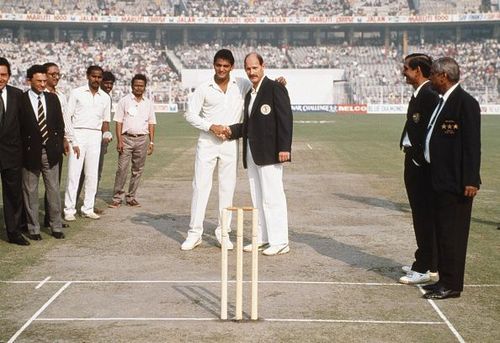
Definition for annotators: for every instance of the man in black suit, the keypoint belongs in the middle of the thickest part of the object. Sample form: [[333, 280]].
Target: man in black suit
[[453, 150], [416, 69], [267, 143], [10, 156], [42, 132]]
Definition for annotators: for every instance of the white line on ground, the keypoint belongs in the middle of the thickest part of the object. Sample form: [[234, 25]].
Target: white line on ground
[[37, 313], [218, 281], [301, 320], [42, 282], [443, 317], [309, 146]]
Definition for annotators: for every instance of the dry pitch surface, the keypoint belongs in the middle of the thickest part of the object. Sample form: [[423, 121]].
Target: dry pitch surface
[[124, 279]]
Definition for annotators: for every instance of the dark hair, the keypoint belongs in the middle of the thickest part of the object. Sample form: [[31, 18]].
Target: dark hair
[[420, 60], [108, 76], [5, 62], [35, 69], [259, 57], [92, 68], [50, 64], [224, 54], [141, 77]]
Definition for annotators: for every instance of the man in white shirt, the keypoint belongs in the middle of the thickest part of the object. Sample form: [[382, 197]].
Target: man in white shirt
[[88, 115], [135, 123], [215, 104]]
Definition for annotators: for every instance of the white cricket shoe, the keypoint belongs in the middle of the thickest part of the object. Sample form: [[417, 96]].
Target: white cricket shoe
[[191, 242], [218, 235], [406, 269], [260, 247], [276, 250], [434, 276], [69, 217], [91, 215], [414, 278]]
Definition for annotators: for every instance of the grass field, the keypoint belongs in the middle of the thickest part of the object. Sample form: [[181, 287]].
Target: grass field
[[349, 222]]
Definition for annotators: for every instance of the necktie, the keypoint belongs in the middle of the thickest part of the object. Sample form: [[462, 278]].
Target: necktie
[[42, 123], [2, 106]]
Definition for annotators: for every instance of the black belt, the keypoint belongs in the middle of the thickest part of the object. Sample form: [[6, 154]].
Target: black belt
[[133, 135]]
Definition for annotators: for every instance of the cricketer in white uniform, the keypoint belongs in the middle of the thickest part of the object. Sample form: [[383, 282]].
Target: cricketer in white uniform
[[214, 105]]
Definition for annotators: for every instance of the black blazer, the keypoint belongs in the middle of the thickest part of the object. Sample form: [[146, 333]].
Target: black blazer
[[10, 138], [455, 144], [419, 112], [31, 136], [269, 127]]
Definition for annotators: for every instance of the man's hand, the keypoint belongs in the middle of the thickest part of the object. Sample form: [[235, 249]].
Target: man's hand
[[150, 148], [66, 147], [107, 137], [470, 191], [221, 131], [76, 151], [119, 146], [284, 156]]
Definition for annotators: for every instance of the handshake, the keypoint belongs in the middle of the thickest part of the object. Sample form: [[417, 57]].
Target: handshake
[[220, 131]]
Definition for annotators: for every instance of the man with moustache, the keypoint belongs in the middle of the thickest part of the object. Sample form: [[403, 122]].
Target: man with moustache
[[11, 156], [267, 143], [416, 70], [42, 131], [453, 150], [135, 127], [89, 111]]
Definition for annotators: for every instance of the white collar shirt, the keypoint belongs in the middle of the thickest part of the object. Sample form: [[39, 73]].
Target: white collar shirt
[[433, 120], [406, 139], [253, 95], [86, 110], [135, 115], [34, 102], [210, 105], [4, 98]]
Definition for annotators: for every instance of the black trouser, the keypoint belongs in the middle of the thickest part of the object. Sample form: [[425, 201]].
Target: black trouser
[[46, 218], [12, 200], [418, 187], [452, 223]]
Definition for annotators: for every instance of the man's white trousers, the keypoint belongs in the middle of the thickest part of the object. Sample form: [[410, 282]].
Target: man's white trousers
[[89, 142], [268, 196], [212, 152]]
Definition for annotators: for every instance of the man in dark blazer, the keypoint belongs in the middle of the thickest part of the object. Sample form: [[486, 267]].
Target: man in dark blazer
[[42, 131], [267, 143], [416, 69], [10, 156], [453, 150]]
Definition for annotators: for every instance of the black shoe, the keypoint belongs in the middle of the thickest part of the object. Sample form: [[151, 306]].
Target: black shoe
[[35, 237], [431, 287], [19, 240], [64, 225], [58, 235], [442, 293]]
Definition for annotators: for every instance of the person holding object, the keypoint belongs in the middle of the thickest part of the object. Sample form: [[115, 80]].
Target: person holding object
[[453, 151], [88, 113], [42, 131], [135, 123], [416, 70], [267, 143]]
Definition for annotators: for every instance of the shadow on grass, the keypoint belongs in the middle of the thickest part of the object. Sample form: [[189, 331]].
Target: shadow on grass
[[349, 254], [174, 226], [376, 202]]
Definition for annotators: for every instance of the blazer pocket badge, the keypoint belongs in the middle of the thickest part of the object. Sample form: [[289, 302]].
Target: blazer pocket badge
[[416, 117], [265, 109], [449, 127]]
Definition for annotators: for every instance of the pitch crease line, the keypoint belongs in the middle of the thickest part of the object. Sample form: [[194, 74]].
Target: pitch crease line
[[444, 318], [37, 313], [42, 282]]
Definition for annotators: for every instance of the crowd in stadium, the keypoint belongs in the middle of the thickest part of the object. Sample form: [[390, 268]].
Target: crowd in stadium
[[235, 8], [372, 72]]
